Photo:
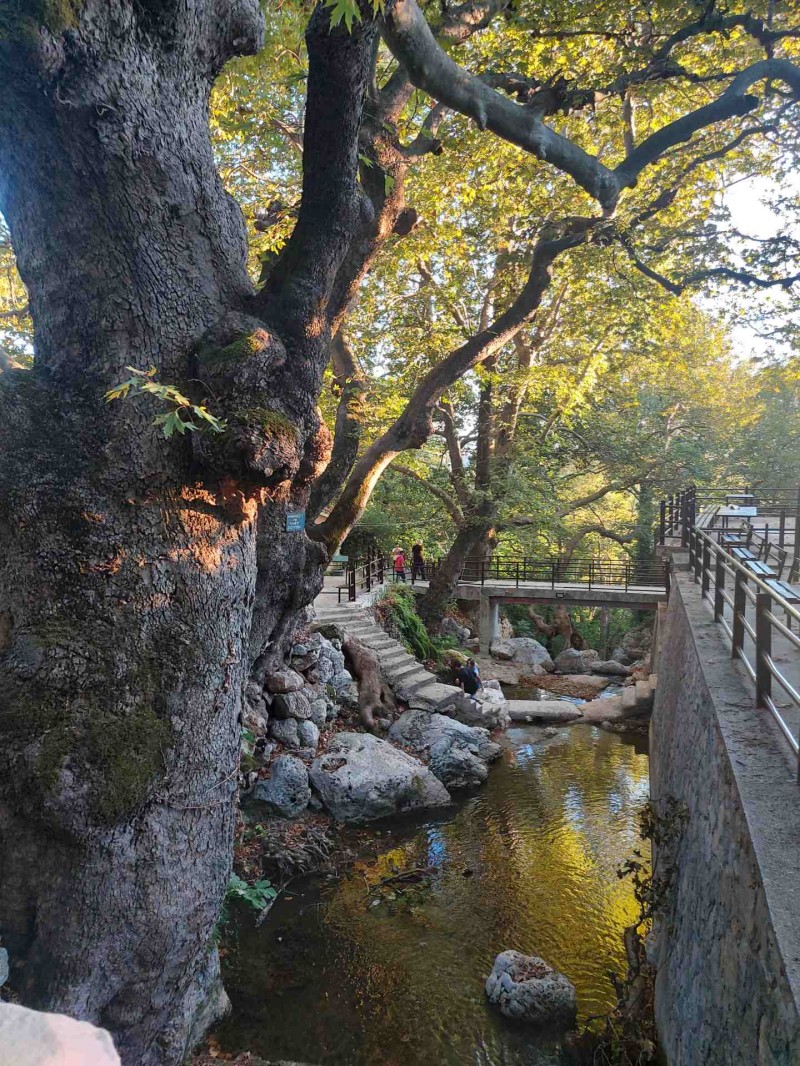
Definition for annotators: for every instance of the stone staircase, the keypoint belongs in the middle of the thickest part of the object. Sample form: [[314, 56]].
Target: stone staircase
[[409, 680], [635, 701]]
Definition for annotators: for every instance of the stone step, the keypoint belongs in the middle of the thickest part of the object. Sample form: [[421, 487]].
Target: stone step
[[653, 679], [413, 681], [396, 674], [434, 696], [389, 657], [629, 700]]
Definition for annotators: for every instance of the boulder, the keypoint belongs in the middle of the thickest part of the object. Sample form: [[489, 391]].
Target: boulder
[[523, 650], [603, 710], [284, 680], [638, 641], [308, 735], [451, 628], [458, 754], [292, 705], [319, 712], [285, 731], [330, 631], [341, 682], [286, 791], [543, 711], [576, 686], [322, 672], [361, 778], [619, 655], [32, 1038], [610, 668], [572, 661], [525, 988], [486, 711]]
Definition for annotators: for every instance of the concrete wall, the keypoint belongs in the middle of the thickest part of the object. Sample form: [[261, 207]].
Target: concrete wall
[[728, 943]]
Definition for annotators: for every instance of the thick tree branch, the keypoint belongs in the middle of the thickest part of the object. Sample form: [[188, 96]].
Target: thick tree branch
[[298, 289], [413, 427], [411, 40], [734, 101]]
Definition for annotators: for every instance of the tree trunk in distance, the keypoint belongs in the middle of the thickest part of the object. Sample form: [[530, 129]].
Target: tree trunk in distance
[[441, 591]]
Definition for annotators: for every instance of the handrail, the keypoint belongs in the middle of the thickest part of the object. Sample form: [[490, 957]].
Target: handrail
[[363, 576], [591, 572], [711, 565]]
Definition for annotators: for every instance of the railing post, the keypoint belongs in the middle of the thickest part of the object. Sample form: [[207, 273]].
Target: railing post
[[705, 572], [591, 571], [672, 514], [692, 550], [739, 608], [719, 586], [782, 527], [662, 522], [351, 584], [698, 556], [483, 571], [517, 573], [763, 649], [684, 519], [553, 565]]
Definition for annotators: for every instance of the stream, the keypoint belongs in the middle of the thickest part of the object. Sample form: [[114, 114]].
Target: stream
[[360, 973]]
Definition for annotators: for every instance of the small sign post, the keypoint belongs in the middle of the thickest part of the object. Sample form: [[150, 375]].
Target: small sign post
[[295, 521]]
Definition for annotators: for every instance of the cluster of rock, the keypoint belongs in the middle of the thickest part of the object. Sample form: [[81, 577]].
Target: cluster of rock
[[361, 777], [300, 698], [535, 657]]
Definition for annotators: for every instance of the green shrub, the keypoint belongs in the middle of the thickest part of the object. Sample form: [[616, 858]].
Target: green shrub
[[396, 609]]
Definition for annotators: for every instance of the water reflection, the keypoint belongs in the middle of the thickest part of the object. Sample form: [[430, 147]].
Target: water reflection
[[528, 863]]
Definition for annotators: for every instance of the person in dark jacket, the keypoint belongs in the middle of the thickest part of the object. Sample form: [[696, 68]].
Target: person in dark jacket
[[469, 677], [417, 564]]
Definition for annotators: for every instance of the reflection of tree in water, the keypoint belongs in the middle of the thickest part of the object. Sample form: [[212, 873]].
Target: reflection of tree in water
[[529, 862], [542, 844]]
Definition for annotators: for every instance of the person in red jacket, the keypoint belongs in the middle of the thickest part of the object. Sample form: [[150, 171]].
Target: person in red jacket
[[399, 565]]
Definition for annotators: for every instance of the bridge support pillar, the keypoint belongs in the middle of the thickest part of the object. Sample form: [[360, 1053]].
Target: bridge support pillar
[[488, 622]]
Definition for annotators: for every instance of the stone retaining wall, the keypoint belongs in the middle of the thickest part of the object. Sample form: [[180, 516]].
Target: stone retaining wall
[[728, 942]]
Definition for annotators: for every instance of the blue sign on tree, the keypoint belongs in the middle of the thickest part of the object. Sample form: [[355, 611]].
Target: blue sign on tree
[[295, 521]]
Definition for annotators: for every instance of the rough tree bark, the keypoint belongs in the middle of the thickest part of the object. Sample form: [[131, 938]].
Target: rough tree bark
[[129, 565]]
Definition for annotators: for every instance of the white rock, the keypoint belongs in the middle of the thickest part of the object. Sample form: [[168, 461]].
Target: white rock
[[36, 1038], [525, 988], [286, 791], [543, 711]]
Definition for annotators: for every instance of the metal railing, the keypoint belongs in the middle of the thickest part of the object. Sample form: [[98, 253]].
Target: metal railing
[[728, 583], [778, 512], [593, 573], [363, 575]]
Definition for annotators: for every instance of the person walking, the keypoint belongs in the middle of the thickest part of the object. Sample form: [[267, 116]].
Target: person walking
[[399, 565], [417, 564]]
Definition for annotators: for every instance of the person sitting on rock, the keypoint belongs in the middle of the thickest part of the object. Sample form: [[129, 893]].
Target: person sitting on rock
[[469, 677]]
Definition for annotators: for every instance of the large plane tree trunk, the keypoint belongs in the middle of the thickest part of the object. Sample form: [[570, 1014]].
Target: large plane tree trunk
[[130, 564]]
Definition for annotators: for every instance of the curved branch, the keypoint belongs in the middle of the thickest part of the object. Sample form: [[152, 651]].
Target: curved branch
[[450, 504], [735, 100], [600, 531], [413, 427], [412, 42]]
